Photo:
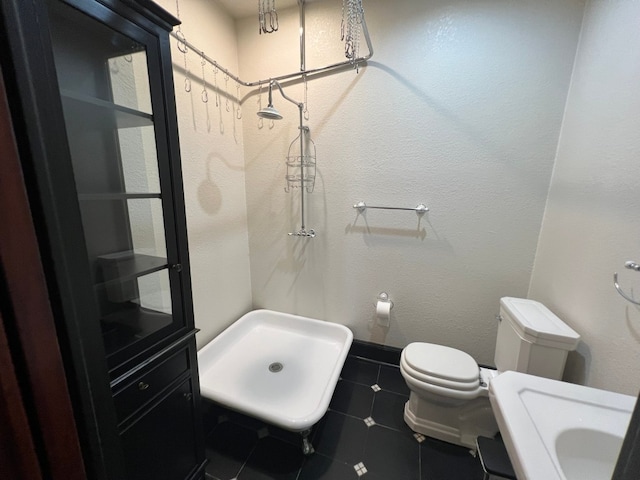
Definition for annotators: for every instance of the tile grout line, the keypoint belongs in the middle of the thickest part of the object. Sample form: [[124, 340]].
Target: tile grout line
[[301, 467], [244, 464], [373, 400], [378, 374], [360, 419], [420, 460], [369, 360]]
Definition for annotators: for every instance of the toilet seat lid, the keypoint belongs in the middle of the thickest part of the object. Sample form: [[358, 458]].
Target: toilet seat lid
[[442, 362]]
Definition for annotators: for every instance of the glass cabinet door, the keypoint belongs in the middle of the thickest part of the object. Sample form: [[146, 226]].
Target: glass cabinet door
[[106, 95]]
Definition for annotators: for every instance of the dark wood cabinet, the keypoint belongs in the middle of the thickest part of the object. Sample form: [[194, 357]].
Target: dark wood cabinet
[[90, 92]]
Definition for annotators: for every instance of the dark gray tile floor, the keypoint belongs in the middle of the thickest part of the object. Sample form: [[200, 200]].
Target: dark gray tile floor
[[362, 436]]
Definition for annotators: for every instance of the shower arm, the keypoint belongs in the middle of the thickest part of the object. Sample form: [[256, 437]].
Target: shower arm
[[303, 232], [300, 105]]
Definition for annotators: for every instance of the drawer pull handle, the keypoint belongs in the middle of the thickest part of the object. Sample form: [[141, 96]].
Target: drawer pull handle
[[188, 396], [143, 386]]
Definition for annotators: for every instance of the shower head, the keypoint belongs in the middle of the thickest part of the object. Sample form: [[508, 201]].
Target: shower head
[[270, 113]]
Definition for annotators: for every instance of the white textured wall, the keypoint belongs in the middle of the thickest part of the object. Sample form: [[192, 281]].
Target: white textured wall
[[213, 167], [461, 109], [591, 224]]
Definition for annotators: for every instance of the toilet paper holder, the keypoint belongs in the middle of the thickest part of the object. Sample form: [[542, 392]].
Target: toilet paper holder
[[384, 297]]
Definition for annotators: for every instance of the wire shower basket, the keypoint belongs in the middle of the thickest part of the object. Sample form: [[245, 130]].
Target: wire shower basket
[[301, 162]]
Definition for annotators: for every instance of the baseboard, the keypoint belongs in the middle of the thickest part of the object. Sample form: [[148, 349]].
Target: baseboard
[[375, 352], [383, 353]]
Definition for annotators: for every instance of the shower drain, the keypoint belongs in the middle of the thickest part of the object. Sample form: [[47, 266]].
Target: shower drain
[[275, 367]]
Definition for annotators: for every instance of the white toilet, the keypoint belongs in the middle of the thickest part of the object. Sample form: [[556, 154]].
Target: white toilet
[[449, 391]]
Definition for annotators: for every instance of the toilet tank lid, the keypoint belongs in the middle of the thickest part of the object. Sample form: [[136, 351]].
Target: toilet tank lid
[[540, 324]]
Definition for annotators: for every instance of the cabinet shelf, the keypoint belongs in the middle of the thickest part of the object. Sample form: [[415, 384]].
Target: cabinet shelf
[[128, 325], [117, 196], [84, 106], [122, 266]]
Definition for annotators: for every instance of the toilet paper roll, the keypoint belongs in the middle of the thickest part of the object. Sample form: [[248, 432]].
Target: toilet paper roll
[[383, 312]]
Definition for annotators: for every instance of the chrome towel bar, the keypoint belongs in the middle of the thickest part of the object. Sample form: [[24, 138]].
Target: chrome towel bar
[[631, 266], [420, 209]]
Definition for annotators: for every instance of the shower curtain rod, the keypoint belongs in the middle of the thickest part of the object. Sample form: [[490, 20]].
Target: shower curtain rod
[[303, 71]]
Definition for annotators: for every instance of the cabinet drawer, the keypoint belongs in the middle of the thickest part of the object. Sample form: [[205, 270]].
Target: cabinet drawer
[[147, 385]]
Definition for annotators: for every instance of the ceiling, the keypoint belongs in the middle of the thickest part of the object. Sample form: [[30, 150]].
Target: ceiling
[[246, 8]]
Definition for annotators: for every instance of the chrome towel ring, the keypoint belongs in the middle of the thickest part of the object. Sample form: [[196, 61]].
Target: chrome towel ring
[[631, 266]]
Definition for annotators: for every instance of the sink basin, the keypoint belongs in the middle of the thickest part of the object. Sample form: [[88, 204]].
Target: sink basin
[[558, 430], [587, 453]]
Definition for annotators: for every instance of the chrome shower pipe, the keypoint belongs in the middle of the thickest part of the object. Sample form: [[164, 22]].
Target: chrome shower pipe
[[303, 53], [303, 71], [303, 231], [302, 132]]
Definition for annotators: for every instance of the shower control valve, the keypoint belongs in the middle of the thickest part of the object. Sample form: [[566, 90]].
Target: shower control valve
[[303, 233]]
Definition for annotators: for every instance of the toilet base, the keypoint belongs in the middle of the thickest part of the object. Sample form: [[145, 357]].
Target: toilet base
[[458, 424]]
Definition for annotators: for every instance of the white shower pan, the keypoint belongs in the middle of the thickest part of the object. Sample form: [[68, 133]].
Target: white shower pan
[[277, 367]]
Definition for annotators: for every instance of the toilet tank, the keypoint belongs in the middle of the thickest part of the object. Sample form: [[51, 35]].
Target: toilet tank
[[531, 339]]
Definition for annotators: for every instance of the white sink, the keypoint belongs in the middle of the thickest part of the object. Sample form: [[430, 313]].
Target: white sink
[[558, 430]]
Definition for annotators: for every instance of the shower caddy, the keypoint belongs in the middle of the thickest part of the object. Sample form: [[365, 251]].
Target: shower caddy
[[301, 162]]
